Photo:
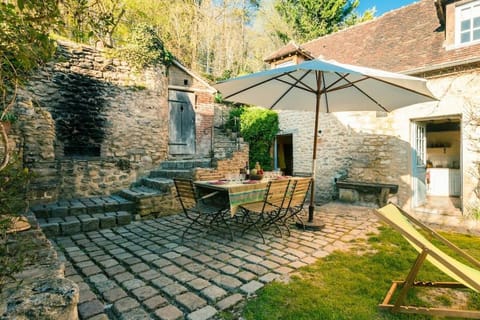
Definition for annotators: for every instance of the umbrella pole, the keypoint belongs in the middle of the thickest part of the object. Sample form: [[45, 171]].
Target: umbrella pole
[[313, 224]]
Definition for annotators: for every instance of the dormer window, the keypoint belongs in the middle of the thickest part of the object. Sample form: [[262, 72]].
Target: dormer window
[[467, 23]]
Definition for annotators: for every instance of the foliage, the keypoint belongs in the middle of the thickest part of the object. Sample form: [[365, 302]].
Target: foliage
[[311, 19], [349, 285], [13, 183], [85, 19], [258, 127], [234, 116], [24, 45], [145, 48]]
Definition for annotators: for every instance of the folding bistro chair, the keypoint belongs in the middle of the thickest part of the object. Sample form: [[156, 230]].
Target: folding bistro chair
[[262, 214], [197, 210], [297, 200], [465, 276]]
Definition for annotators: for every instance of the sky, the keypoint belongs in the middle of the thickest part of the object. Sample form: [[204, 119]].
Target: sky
[[382, 6]]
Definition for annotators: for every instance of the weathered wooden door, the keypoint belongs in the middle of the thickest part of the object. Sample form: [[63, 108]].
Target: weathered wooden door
[[182, 123], [419, 158]]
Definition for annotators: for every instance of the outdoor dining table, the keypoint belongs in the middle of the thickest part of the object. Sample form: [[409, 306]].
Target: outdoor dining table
[[233, 193], [236, 193]]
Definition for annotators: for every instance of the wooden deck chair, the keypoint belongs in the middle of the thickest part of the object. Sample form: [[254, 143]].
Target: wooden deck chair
[[464, 275], [197, 210], [262, 214]]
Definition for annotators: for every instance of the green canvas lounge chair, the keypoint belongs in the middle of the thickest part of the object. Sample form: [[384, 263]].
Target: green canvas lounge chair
[[464, 275]]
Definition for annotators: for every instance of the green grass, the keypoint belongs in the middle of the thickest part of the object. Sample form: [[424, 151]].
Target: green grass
[[345, 285]]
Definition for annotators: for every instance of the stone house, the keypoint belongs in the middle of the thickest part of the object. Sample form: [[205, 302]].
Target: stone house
[[91, 125], [435, 39]]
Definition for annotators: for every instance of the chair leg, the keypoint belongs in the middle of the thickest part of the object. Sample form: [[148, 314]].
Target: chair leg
[[253, 224]]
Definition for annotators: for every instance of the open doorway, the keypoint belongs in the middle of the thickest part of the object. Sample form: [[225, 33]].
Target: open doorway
[[439, 140], [284, 157]]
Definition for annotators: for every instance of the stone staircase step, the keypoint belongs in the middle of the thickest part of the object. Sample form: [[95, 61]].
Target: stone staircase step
[[76, 207], [139, 192], [69, 225], [171, 173], [185, 164], [161, 184]]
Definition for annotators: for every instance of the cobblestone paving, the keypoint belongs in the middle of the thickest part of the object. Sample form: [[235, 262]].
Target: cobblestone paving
[[144, 270]]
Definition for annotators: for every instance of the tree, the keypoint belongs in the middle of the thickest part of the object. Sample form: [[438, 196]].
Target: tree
[[85, 19], [311, 19], [24, 45]]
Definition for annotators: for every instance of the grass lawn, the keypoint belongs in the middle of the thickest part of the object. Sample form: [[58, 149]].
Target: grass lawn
[[349, 285]]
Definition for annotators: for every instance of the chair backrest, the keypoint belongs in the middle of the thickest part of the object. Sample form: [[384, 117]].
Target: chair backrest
[[276, 192], [185, 193], [299, 192], [402, 222]]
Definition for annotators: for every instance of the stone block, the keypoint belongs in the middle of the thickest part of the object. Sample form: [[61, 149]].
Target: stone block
[[41, 211], [88, 222], [124, 304], [50, 229], [59, 212], [123, 218], [169, 312], [90, 308], [77, 208], [230, 301], [70, 226], [203, 314], [190, 301]]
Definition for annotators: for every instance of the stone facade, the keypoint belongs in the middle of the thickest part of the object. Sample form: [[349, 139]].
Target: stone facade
[[376, 147], [91, 125]]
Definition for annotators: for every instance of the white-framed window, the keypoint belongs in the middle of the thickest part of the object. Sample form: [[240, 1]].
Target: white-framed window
[[467, 17]]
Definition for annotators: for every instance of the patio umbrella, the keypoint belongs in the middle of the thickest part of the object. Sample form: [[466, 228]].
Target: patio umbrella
[[325, 86]]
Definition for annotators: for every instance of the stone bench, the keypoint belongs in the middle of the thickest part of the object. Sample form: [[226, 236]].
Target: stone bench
[[365, 192]]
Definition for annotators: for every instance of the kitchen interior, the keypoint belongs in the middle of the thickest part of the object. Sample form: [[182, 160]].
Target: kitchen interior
[[443, 162]]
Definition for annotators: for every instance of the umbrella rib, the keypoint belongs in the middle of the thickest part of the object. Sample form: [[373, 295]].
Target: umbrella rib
[[352, 84], [255, 85], [305, 86], [401, 87], [292, 85]]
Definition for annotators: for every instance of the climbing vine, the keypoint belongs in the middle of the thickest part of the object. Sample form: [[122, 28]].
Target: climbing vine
[[258, 127]]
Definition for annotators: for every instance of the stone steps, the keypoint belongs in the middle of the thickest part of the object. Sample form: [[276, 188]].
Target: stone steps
[[69, 217], [171, 173], [69, 225], [185, 164]]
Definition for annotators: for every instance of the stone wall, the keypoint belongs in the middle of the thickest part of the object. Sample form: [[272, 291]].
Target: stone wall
[[40, 290], [375, 146], [91, 125], [351, 145]]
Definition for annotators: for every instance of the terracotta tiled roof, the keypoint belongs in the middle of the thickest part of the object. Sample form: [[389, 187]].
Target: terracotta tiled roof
[[407, 40], [289, 49]]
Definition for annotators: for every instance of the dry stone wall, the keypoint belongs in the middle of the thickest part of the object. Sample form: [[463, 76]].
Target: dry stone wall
[[91, 125]]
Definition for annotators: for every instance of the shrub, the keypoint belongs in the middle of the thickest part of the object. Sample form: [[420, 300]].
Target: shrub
[[258, 127]]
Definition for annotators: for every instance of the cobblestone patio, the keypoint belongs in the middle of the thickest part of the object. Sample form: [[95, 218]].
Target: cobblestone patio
[[144, 270]]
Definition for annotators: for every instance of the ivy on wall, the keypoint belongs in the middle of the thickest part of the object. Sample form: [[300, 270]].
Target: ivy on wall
[[258, 127]]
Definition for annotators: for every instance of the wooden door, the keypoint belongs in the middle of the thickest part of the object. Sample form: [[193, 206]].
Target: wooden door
[[419, 154], [182, 123]]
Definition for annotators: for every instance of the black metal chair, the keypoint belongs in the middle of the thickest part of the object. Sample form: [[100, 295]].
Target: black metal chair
[[263, 214], [199, 211]]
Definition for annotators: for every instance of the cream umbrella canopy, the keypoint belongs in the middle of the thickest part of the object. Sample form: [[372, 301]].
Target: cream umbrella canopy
[[325, 86]]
